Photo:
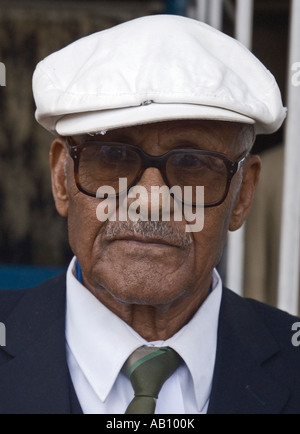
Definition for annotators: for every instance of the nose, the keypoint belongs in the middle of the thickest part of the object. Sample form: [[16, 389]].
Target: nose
[[151, 177], [154, 196]]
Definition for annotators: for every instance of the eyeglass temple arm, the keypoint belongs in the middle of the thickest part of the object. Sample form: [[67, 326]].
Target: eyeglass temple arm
[[241, 163]]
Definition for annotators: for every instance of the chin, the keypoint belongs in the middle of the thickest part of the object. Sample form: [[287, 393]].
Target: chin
[[146, 296], [140, 284]]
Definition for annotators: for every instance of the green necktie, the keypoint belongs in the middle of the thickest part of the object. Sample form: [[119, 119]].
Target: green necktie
[[148, 368]]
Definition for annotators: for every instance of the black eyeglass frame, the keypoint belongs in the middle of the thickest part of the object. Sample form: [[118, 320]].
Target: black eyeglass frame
[[160, 163]]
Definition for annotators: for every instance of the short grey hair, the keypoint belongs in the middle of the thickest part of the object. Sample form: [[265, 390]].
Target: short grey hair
[[248, 136]]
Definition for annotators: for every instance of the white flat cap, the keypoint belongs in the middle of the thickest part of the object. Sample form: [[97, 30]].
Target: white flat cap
[[153, 69]]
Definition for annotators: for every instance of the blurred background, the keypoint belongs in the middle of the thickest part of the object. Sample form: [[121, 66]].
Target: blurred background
[[33, 238]]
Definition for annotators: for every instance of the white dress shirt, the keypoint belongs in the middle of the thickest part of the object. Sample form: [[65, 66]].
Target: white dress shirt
[[99, 343]]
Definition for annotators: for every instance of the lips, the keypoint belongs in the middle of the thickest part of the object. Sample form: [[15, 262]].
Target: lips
[[143, 240]]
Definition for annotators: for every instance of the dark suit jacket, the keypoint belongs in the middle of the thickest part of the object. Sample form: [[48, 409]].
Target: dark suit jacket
[[257, 368]]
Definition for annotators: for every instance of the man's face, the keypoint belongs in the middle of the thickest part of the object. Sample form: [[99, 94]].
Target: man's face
[[154, 263]]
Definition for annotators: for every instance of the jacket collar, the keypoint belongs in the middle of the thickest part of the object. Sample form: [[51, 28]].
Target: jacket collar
[[241, 385], [36, 380]]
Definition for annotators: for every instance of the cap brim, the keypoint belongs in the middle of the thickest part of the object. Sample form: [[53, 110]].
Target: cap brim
[[91, 122]]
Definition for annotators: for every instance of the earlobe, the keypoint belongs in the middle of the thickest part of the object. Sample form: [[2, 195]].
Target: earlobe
[[245, 198], [57, 159]]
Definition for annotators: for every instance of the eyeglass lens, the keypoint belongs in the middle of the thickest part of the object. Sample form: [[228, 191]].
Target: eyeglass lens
[[105, 164]]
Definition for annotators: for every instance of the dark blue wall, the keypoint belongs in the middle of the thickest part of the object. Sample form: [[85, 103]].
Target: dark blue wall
[[21, 277]]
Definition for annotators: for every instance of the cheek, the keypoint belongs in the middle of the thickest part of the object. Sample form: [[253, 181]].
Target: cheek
[[209, 243], [83, 226]]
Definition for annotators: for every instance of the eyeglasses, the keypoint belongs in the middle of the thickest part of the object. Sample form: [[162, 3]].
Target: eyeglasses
[[103, 163]]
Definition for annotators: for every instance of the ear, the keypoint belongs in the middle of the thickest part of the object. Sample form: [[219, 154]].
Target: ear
[[57, 159], [245, 198]]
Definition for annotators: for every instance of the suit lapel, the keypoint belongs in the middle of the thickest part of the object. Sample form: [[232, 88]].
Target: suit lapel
[[245, 347], [36, 379]]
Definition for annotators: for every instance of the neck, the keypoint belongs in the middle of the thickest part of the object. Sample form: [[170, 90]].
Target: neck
[[155, 323]]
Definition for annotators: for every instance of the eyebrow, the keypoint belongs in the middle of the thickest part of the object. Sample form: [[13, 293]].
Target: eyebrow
[[116, 137], [178, 144]]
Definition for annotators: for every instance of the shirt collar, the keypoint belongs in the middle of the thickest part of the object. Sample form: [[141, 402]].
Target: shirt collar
[[94, 333], [197, 343]]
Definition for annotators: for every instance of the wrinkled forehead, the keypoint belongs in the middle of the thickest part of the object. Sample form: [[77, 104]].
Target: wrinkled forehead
[[206, 134]]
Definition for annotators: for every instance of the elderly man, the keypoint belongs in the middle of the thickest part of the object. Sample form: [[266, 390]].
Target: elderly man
[[141, 323]]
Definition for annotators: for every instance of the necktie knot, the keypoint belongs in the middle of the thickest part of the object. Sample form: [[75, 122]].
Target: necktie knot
[[148, 369]]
